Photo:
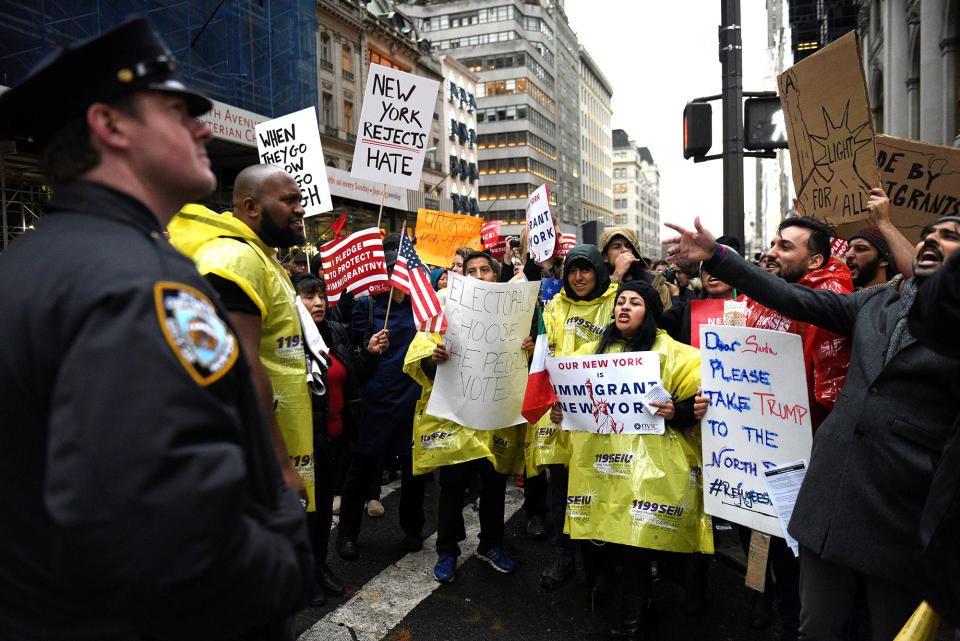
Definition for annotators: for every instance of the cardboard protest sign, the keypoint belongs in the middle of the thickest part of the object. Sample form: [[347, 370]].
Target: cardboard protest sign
[[921, 180], [603, 393], [483, 383], [394, 127], [354, 264], [830, 132], [441, 233], [541, 235], [759, 417], [293, 142]]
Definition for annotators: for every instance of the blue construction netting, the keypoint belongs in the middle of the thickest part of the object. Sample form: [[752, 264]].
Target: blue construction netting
[[254, 54]]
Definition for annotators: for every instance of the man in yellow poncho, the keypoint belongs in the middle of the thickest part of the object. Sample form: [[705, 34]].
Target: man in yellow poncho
[[576, 316], [655, 501], [234, 252], [495, 449]]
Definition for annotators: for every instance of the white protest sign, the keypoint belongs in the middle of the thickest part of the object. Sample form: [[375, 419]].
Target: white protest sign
[[541, 236], [293, 142], [483, 383], [394, 127], [603, 393], [759, 418]]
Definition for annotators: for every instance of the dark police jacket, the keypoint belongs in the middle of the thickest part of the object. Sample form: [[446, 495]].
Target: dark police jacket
[[140, 496], [874, 456]]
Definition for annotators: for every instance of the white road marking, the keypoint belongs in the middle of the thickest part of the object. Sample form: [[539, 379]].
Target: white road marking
[[388, 597]]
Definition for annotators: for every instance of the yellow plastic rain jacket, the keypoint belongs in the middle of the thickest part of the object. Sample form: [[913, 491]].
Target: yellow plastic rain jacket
[[222, 245], [439, 441], [643, 489], [570, 324]]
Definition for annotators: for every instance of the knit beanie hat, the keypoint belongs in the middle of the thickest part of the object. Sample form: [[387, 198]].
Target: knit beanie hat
[[873, 236], [651, 297]]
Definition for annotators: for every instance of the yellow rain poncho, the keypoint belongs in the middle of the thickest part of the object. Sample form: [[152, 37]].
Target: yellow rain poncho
[[222, 245], [439, 441], [643, 489], [570, 324]]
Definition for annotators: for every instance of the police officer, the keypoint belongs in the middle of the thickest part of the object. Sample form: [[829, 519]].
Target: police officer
[[139, 492]]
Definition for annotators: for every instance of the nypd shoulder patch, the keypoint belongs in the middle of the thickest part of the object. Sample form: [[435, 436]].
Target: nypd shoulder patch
[[201, 340]]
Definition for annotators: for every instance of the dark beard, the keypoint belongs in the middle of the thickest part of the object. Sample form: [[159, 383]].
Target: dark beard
[[790, 275], [275, 236], [867, 273]]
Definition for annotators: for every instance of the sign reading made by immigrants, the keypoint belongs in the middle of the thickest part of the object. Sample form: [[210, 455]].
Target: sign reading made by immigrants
[[293, 142], [759, 417], [921, 180], [830, 132], [394, 127], [604, 393], [483, 383]]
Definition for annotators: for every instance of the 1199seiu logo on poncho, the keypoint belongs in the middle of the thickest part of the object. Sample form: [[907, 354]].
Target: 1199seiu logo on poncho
[[202, 342]]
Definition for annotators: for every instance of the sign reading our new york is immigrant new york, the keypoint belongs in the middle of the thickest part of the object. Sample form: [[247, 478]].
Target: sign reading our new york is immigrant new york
[[394, 127]]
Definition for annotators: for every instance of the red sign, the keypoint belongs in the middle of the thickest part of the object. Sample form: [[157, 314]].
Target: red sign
[[490, 234], [567, 242], [705, 312], [498, 250], [354, 264]]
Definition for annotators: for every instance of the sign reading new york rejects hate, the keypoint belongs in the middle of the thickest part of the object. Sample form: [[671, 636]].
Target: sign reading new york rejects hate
[[394, 127], [293, 142], [759, 417], [483, 383], [603, 393], [830, 132]]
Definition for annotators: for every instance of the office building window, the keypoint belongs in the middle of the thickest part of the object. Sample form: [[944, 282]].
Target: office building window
[[346, 58]]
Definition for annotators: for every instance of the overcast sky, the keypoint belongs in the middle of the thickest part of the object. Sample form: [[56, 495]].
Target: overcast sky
[[658, 56]]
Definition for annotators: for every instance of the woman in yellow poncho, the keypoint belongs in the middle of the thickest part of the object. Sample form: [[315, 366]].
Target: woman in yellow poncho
[[665, 468]]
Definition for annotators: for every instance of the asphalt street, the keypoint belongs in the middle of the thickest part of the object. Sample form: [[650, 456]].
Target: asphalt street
[[393, 596]]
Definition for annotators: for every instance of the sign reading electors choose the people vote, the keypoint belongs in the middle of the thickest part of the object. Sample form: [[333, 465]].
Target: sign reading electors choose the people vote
[[541, 235], [293, 142], [354, 264], [759, 417], [604, 393], [394, 127], [483, 383]]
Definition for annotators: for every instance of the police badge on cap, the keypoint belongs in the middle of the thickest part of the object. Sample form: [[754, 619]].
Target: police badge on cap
[[129, 58]]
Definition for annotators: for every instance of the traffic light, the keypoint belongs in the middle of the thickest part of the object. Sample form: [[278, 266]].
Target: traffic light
[[697, 129], [763, 124]]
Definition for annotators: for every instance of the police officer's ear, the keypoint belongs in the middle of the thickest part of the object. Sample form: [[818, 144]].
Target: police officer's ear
[[107, 126]]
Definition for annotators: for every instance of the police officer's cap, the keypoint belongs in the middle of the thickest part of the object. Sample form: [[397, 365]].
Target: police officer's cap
[[118, 62]]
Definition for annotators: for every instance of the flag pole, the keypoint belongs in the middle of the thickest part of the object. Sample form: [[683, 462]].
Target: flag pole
[[383, 192], [403, 232]]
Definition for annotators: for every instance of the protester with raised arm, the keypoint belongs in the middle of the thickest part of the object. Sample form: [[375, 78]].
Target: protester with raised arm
[[873, 457]]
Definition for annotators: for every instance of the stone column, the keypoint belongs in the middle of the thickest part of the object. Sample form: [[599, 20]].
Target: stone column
[[931, 72], [896, 64], [948, 66]]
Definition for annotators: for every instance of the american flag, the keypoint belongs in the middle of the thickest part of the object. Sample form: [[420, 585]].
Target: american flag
[[410, 275]]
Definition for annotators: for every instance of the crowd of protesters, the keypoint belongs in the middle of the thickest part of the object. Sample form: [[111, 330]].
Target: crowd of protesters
[[165, 404]]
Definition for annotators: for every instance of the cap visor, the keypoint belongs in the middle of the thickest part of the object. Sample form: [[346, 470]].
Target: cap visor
[[197, 105]]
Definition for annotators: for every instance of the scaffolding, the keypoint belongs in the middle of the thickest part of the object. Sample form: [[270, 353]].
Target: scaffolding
[[259, 55]]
